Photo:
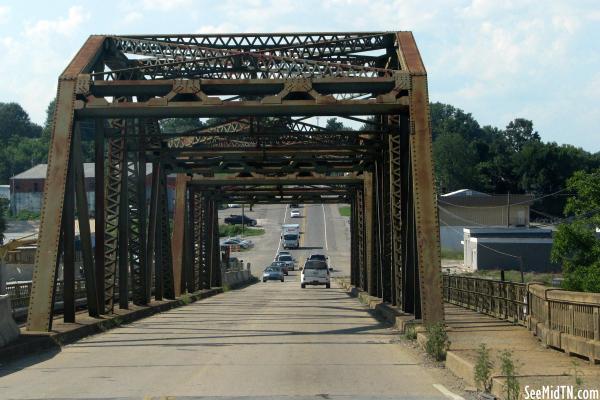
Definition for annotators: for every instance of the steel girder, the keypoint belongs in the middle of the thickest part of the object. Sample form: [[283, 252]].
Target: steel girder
[[259, 82]]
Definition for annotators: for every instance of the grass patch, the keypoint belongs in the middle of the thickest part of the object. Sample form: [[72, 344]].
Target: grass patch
[[236, 230], [26, 215], [450, 254], [344, 211], [515, 276]]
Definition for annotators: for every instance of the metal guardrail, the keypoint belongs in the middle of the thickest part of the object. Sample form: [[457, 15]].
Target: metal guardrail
[[21, 290], [566, 320], [500, 299]]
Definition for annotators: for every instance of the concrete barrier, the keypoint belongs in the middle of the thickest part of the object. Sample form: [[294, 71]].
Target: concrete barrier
[[9, 331], [234, 278]]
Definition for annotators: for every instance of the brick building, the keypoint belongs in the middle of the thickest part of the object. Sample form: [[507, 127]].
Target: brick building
[[26, 188]]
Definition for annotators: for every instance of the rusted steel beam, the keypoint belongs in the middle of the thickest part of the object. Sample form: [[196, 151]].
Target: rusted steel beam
[[85, 237], [177, 242], [68, 247], [40, 307], [426, 211], [99, 204]]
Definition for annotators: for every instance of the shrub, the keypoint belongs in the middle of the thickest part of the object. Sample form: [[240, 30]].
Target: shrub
[[509, 370], [437, 341], [410, 332], [483, 368]]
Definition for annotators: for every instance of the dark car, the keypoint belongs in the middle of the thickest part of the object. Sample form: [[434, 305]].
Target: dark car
[[318, 257], [239, 220], [282, 265]]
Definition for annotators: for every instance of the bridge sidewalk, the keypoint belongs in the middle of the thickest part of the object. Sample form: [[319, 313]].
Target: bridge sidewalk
[[536, 365]]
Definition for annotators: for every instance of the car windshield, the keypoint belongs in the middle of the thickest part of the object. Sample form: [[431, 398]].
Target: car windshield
[[290, 237], [285, 258], [320, 257], [272, 269], [314, 264]]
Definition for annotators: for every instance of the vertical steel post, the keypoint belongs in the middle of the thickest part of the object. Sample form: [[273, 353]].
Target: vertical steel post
[[164, 237], [153, 248], [123, 234], [425, 198], [68, 246], [177, 243], [85, 237], [99, 212], [369, 225]]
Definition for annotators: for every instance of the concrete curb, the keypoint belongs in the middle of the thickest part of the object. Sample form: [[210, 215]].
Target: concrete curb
[[398, 319], [32, 343]]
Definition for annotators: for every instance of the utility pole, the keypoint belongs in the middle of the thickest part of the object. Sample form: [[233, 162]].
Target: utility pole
[[508, 210], [243, 219]]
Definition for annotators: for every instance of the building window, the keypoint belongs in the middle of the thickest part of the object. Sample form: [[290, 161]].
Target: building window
[[35, 187]]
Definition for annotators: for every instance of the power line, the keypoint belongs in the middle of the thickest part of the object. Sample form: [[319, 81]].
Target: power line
[[504, 206]]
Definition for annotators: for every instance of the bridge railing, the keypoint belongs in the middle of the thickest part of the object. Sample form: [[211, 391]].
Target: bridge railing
[[20, 292], [559, 318], [500, 299]]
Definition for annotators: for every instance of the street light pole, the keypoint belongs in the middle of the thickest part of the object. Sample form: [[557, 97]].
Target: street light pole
[[243, 219]]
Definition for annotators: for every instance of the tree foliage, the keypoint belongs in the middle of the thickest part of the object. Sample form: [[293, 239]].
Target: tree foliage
[[493, 160], [576, 243]]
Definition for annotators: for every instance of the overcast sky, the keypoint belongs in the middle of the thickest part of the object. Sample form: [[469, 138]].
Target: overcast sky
[[497, 59]]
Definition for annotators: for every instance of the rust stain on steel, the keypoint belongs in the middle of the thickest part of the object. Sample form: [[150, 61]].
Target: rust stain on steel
[[177, 244], [40, 304], [85, 57], [425, 200]]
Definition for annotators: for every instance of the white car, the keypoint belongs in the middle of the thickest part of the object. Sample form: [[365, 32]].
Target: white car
[[295, 214], [315, 272], [233, 206]]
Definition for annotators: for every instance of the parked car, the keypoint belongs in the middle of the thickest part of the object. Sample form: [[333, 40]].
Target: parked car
[[315, 272], [282, 265], [234, 219], [243, 243], [295, 214], [272, 273], [287, 259], [233, 205]]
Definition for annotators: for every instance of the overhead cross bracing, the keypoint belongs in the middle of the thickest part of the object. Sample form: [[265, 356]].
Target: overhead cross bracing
[[260, 94]]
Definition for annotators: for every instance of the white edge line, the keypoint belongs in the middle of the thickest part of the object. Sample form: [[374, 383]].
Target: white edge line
[[447, 393], [325, 227]]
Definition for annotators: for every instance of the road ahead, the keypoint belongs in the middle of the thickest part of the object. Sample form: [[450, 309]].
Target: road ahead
[[267, 340]]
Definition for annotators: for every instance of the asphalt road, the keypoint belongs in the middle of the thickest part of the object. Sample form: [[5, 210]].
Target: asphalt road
[[268, 340]]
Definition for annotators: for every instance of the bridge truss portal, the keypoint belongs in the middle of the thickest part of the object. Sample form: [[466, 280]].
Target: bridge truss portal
[[261, 92]]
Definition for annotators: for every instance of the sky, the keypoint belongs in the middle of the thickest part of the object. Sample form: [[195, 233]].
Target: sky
[[496, 59]]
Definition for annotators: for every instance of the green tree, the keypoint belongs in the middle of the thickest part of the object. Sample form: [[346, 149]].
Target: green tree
[[455, 163], [576, 245], [520, 132], [334, 125], [175, 125], [14, 121]]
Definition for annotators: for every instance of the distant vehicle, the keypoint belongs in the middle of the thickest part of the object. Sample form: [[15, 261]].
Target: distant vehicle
[[233, 205], [272, 274], [290, 241], [280, 264], [294, 205], [318, 257], [243, 243], [284, 253], [295, 214], [234, 219], [315, 272], [287, 259], [290, 228]]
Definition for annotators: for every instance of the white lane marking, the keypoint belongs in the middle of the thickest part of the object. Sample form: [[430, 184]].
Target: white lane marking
[[447, 393], [325, 226], [280, 237]]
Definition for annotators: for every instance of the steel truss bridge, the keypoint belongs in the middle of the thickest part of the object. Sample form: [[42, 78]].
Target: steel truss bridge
[[263, 91]]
